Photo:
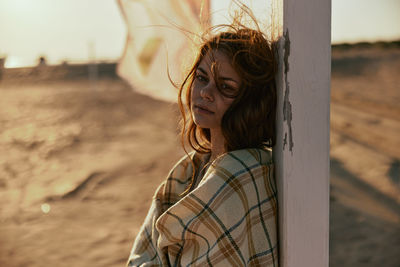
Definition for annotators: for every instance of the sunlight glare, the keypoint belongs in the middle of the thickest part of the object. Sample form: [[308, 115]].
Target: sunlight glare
[[45, 207], [17, 62]]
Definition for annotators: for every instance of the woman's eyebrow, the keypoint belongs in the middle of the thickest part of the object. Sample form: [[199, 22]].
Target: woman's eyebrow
[[201, 70], [222, 78], [229, 79]]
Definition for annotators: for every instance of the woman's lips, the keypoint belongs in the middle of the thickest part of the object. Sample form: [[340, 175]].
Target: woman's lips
[[202, 109]]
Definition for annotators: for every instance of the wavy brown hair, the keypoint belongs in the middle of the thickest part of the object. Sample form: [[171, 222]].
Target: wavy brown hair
[[250, 120]]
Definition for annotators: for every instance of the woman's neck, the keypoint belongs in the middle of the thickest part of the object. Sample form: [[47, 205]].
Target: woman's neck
[[217, 143]]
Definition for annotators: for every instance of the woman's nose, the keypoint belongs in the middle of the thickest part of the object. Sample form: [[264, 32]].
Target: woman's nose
[[207, 91]]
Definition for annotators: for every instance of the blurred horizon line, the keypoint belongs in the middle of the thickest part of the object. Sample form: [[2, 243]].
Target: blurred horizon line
[[17, 62]]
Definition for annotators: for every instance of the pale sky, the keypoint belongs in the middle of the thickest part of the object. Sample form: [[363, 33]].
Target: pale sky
[[76, 30]]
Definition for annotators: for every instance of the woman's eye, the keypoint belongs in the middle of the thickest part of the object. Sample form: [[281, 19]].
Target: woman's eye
[[228, 91], [224, 86], [201, 78]]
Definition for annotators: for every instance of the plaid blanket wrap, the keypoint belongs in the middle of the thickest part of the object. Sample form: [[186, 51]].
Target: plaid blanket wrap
[[229, 219]]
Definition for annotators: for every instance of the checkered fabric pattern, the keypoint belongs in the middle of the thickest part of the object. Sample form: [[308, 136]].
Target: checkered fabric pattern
[[229, 219]]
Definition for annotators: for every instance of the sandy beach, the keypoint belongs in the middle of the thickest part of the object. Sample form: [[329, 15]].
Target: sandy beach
[[79, 163]]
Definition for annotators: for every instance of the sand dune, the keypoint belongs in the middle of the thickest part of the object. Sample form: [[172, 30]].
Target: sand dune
[[90, 159], [365, 173]]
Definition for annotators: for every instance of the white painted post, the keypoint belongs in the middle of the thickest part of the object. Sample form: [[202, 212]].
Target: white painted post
[[302, 150]]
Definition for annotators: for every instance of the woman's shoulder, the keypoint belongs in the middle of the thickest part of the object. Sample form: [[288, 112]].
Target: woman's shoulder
[[179, 177], [244, 159], [182, 171]]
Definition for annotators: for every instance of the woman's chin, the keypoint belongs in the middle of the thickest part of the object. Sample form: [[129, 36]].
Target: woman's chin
[[202, 123]]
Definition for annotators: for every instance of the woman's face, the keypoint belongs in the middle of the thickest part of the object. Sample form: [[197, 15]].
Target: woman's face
[[208, 103]]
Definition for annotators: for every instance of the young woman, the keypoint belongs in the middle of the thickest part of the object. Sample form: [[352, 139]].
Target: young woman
[[218, 205]]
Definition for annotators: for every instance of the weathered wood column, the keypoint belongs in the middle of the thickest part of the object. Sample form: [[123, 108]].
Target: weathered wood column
[[302, 150]]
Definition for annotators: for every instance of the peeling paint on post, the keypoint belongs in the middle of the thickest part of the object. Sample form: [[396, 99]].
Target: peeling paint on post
[[302, 170], [287, 106]]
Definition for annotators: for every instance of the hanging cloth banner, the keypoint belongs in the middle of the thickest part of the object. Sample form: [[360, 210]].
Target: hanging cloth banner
[[158, 41]]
